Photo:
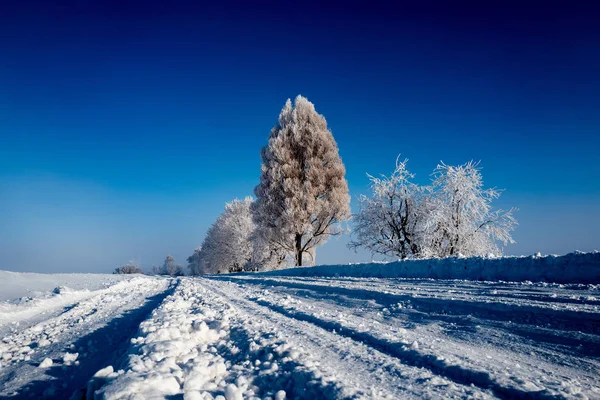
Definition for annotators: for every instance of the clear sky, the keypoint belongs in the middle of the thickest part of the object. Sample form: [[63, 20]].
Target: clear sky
[[126, 126]]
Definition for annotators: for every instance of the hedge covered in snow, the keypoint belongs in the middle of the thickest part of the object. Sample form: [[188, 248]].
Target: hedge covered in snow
[[570, 268]]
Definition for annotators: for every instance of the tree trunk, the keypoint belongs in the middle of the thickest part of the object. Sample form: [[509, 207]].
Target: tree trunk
[[298, 249]]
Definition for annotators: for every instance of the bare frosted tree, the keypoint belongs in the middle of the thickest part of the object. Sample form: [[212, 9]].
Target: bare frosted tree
[[463, 220], [303, 194], [392, 221], [156, 270], [452, 216]]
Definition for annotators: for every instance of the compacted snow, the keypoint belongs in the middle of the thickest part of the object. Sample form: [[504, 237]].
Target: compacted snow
[[273, 336]]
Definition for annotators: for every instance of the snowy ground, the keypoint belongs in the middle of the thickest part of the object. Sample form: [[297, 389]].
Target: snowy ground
[[261, 336], [54, 340]]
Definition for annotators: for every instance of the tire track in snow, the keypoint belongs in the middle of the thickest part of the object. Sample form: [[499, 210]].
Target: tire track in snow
[[529, 313], [194, 346], [400, 379], [511, 388]]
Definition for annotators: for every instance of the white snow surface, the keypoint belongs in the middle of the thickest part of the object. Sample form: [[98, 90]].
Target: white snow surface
[[53, 343], [25, 286], [269, 336], [575, 267], [256, 336]]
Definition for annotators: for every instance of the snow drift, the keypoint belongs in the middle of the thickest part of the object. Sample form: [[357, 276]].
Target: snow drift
[[569, 268]]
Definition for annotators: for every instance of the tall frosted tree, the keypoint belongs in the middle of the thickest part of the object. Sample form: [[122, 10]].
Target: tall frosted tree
[[303, 194]]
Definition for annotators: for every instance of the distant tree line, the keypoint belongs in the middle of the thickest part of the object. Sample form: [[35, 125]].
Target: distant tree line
[[169, 267], [132, 267]]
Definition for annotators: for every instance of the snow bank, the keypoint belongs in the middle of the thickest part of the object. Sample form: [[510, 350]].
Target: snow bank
[[569, 268]]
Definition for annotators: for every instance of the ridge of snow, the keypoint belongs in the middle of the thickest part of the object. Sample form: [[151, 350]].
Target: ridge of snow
[[570, 268]]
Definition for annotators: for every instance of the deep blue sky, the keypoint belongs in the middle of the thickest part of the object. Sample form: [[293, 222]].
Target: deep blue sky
[[124, 128]]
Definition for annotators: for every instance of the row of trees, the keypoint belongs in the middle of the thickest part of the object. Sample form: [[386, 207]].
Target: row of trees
[[169, 267], [302, 199]]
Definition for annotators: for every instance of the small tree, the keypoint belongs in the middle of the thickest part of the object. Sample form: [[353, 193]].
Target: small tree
[[392, 221], [156, 270], [195, 262], [302, 194], [463, 220], [172, 268]]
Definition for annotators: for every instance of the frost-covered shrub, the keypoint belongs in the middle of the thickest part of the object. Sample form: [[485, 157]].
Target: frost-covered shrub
[[234, 243], [194, 262]]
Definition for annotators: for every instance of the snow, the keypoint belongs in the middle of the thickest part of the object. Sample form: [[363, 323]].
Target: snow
[[69, 358], [21, 287], [570, 268], [55, 342], [285, 336], [46, 363], [188, 347]]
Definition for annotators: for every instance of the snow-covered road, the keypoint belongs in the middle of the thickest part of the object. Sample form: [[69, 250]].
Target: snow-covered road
[[245, 336], [261, 336], [507, 340]]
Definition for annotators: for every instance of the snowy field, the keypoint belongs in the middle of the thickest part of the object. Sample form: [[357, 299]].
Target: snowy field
[[274, 336]]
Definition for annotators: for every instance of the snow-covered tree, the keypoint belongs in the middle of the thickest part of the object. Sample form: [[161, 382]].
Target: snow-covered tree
[[132, 267], [452, 216], [392, 221], [303, 194], [128, 269], [227, 246], [195, 262], [463, 220], [156, 270], [265, 255], [170, 267]]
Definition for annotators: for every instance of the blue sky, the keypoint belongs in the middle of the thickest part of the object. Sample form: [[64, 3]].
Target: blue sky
[[125, 127]]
